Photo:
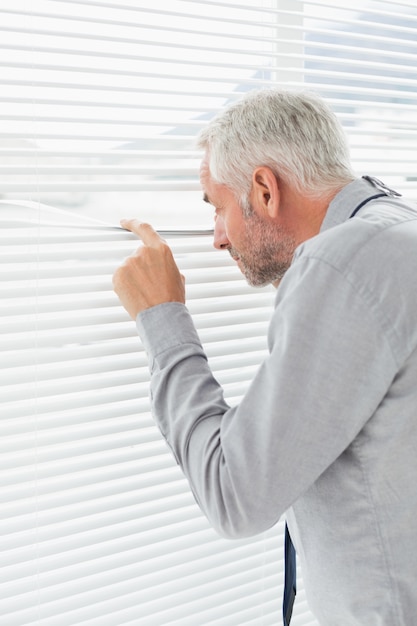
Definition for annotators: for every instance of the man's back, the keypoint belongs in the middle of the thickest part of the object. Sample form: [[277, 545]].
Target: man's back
[[354, 527]]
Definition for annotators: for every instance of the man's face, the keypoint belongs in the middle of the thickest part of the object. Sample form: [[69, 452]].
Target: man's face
[[262, 249]]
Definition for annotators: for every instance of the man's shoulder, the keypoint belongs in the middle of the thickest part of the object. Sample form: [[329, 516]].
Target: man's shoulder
[[384, 229]]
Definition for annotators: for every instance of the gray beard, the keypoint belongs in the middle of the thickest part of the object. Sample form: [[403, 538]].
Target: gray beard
[[267, 253]]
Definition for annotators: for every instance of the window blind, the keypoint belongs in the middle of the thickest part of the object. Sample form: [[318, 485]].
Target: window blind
[[99, 108], [101, 101], [98, 525]]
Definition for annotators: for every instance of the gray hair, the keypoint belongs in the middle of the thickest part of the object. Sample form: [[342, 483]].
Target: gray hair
[[293, 133]]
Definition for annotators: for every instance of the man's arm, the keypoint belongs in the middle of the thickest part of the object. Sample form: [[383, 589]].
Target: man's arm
[[329, 366]]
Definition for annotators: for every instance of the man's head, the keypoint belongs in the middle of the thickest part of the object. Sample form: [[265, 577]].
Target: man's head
[[272, 163]]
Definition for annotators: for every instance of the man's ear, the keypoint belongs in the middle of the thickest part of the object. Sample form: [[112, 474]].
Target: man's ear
[[265, 194]]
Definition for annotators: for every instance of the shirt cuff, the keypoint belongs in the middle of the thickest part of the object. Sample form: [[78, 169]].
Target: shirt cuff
[[165, 326]]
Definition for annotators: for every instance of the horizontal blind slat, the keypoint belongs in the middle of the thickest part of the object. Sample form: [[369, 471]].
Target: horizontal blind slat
[[160, 13]]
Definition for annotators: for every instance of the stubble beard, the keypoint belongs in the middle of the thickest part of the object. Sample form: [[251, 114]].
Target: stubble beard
[[265, 253]]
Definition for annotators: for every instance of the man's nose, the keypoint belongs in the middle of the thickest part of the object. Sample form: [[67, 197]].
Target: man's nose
[[220, 240]]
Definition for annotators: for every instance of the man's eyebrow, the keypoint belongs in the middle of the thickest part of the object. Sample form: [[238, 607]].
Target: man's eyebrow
[[206, 198]]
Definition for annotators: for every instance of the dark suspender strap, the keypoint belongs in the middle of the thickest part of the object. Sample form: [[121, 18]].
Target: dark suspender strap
[[383, 189], [358, 208], [290, 585]]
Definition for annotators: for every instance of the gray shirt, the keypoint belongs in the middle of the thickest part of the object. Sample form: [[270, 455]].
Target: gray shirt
[[327, 431]]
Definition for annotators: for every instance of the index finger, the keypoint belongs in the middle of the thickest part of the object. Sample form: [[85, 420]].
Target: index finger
[[144, 231]]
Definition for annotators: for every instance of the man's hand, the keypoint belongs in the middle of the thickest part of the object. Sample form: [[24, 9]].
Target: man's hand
[[150, 276]]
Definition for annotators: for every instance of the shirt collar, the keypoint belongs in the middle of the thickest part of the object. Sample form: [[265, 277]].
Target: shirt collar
[[345, 202]]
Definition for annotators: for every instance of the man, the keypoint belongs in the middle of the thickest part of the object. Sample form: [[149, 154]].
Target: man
[[327, 430]]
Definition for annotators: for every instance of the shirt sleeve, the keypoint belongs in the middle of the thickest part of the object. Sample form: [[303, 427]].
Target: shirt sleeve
[[329, 366]]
